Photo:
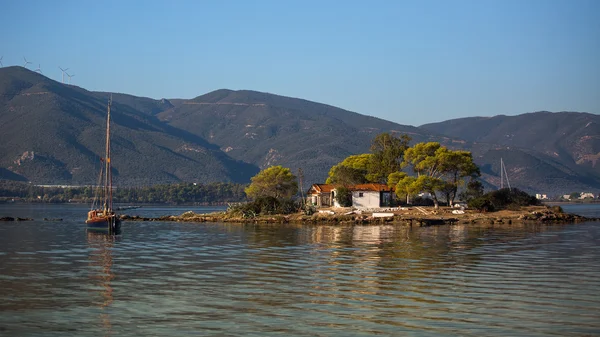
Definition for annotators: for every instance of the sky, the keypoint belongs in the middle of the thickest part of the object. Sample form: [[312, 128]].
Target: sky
[[410, 62]]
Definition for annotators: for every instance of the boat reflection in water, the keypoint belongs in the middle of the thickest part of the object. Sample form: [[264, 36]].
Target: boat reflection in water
[[100, 261]]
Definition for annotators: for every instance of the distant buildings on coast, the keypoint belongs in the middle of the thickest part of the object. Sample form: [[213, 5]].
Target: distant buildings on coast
[[582, 195], [572, 196]]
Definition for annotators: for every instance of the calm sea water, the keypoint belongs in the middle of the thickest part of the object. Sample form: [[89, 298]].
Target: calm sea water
[[177, 279]]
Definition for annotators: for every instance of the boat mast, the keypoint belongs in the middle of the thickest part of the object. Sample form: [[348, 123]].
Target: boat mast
[[503, 174], [108, 173]]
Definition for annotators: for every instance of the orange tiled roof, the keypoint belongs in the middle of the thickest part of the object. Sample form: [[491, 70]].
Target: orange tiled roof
[[326, 188], [322, 188], [370, 187]]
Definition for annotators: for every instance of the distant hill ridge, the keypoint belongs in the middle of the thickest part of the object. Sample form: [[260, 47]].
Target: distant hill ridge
[[565, 141], [65, 129], [228, 135], [266, 129], [568, 136]]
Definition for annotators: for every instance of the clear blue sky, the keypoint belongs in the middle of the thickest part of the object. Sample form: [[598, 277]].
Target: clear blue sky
[[410, 62]]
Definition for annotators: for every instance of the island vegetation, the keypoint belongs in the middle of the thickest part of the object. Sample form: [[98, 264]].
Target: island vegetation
[[435, 170]]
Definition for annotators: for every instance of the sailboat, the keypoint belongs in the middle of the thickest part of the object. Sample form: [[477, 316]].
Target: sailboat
[[102, 216]]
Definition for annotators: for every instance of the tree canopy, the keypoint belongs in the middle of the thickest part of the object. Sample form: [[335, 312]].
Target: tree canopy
[[404, 185], [275, 181], [350, 171], [387, 153], [474, 189], [437, 168], [440, 169], [385, 158], [456, 166]]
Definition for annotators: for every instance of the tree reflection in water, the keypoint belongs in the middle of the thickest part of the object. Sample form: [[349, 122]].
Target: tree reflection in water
[[100, 261]]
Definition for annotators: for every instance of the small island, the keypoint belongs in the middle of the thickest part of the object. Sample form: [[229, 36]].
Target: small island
[[375, 188], [409, 216]]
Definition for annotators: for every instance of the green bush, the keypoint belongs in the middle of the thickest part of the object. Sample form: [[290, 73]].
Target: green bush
[[481, 204], [245, 210], [505, 198], [267, 205], [309, 209], [419, 201], [556, 209], [287, 206], [264, 206], [343, 196]]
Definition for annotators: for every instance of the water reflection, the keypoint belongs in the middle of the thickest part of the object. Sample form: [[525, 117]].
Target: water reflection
[[101, 262], [220, 279]]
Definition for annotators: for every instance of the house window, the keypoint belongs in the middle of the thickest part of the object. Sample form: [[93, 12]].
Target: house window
[[360, 194]]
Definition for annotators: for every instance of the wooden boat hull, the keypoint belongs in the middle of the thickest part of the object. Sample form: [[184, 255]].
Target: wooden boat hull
[[107, 224]]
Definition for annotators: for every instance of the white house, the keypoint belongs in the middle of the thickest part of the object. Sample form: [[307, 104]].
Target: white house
[[371, 196], [541, 196], [363, 195], [321, 195], [585, 195]]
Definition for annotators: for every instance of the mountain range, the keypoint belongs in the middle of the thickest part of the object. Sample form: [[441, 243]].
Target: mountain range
[[53, 133], [542, 151]]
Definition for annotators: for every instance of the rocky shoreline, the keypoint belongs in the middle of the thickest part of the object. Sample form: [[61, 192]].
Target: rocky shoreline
[[420, 216], [10, 218], [412, 216]]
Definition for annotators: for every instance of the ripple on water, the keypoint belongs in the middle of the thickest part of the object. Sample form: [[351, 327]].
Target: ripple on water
[[218, 279]]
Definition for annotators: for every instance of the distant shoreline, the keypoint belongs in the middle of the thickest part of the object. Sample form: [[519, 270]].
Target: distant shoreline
[[226, 203], [551, 203], [124, 204]]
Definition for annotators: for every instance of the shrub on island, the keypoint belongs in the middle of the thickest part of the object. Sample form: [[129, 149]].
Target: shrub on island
[[512, 199], [266, 205]]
